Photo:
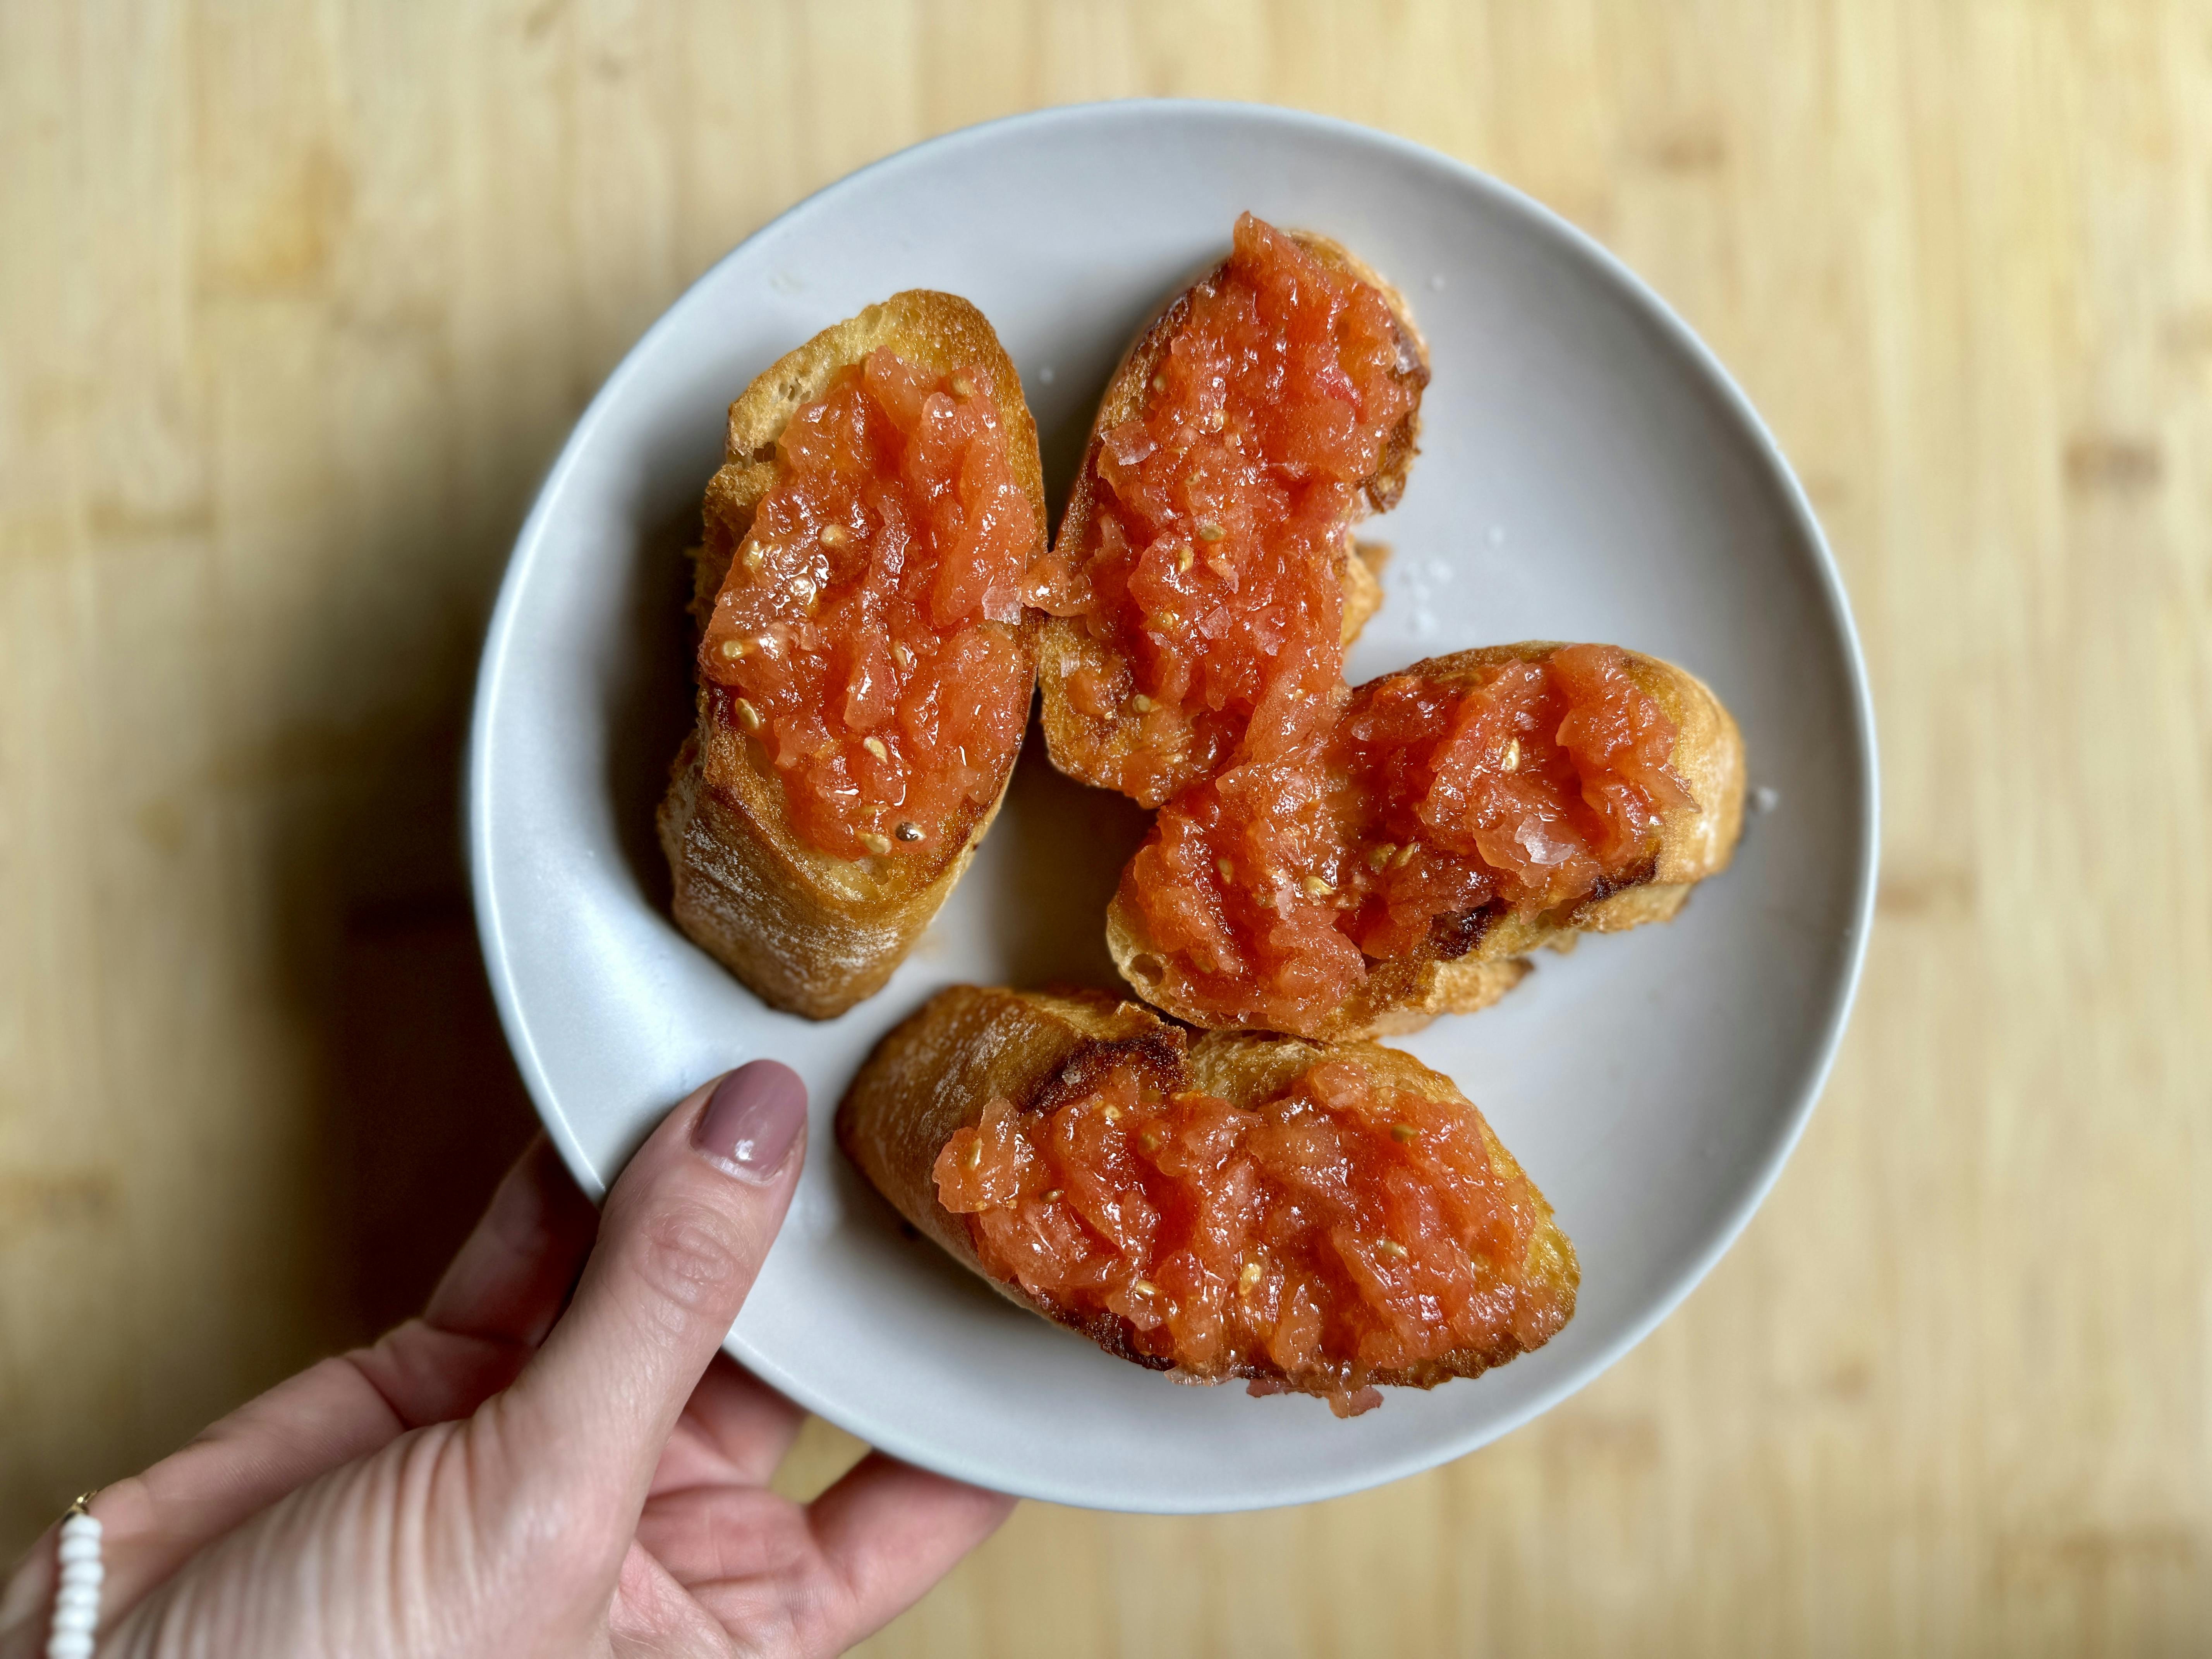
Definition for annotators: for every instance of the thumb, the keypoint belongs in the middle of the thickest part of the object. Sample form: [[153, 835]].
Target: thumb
[[682, 1238]]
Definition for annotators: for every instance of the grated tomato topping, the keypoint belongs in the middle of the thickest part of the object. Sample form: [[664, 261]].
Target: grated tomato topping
[[1333, 1234], [1208, 568], [1267, 892], [868, 633]]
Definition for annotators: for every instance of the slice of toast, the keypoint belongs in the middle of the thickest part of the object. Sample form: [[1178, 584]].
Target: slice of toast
[[808, 932], [1094, 749], [1405, 994], [932, 1076]]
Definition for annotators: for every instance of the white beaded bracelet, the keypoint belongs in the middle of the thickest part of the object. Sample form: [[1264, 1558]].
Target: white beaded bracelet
[[77, 1604]]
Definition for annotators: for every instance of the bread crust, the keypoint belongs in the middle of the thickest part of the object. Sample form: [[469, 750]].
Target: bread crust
[[1406, 993], [807, 931], [933, 1074], [1092, 749], [1359, 573]]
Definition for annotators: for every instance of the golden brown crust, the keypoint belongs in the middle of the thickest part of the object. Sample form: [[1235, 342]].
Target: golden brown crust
[[1093, 749], [1359, 571], [808, 932], [1405, 994], [934, 1073]]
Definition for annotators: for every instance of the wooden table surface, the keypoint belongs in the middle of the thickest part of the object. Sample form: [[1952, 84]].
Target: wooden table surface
[[297, 302]]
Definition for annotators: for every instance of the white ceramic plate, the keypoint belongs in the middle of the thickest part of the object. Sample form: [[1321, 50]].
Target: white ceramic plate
[[1588, 471]]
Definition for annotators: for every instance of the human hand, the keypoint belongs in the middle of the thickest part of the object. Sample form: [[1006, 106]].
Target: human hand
[[502, 1476]]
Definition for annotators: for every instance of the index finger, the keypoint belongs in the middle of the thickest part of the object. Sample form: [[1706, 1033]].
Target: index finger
[[508, 1279], [889, 1531]]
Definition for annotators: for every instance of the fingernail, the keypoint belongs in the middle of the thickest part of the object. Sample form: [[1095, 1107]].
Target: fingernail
[[752, 1119]]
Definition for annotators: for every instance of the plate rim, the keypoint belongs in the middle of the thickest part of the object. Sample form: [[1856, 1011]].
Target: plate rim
[[1727, 1224]]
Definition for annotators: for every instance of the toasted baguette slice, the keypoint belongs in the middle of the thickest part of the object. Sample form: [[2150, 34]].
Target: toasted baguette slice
[[808, 932], [1405, 994], [933, 1076], [1094, 749]]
